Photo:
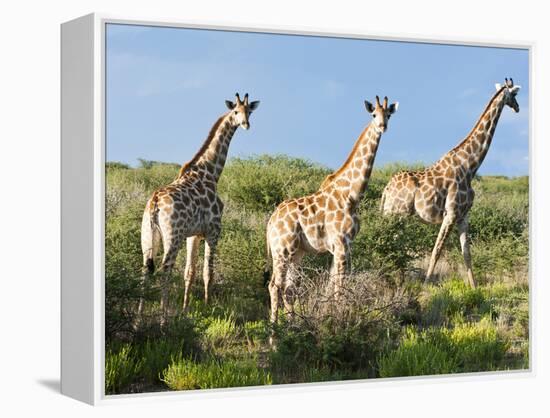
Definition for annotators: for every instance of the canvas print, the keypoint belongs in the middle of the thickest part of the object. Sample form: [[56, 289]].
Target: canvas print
[[297, 209]]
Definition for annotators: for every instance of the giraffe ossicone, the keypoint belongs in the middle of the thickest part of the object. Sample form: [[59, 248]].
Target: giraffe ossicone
[[325, 221], [443, 193], [189, 208]]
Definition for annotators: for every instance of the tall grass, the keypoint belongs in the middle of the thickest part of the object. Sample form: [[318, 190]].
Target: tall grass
[[121, 368], [389, 325], [468, 347], [184, 374]]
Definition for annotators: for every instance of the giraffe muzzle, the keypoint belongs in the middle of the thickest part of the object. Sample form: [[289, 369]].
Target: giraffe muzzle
[[245, 126]]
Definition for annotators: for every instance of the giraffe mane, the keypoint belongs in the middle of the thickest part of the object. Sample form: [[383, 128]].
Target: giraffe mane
[[479, 119], [328, 179], [203, 148]]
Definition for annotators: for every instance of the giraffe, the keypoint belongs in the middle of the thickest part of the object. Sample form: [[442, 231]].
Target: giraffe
[[325, 221], [442, 193], [190, 208]]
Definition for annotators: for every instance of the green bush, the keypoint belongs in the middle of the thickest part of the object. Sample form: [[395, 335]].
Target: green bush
[[468, 347], [490, 222], [116, 165], [504, 256], [498, 185], [453, 298], [261, 183], [121, 368], [477, 347], [220, 334], [385, 326], [256, 333], [390, 243], [240, 263], [141, 362], [156, 346], [418, 355], [145, 180], [184, 374], [122, 272]]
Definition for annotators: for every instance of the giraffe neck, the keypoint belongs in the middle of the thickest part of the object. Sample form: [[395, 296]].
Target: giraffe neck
[[473, 149], [213, 153], [351, 180]]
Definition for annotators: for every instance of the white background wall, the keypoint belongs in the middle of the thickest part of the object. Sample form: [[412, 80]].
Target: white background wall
[[29, 203]]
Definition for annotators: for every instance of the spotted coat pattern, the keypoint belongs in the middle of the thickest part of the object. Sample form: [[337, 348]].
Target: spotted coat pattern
[[443, 194], [189, 208], [325, 220]]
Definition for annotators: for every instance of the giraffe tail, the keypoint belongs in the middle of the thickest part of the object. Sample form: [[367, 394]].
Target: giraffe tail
[[267, 272], [153, 212], [383, 200]]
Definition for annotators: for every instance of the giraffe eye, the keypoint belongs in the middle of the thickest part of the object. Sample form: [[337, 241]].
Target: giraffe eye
[[373, 116], [236, 112]]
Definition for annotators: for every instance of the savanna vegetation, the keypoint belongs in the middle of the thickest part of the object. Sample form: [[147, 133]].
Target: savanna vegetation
[[390, 323]]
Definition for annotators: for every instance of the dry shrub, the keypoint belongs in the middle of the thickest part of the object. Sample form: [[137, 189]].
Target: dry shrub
[[344, 334], [363, 295]]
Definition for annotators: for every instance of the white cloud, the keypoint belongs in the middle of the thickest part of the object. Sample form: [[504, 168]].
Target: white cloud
[[467, 93], [508, 116], [511, 162], [333, 87]]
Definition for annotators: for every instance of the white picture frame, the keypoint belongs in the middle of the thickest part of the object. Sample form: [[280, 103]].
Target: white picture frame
[[83, 209]]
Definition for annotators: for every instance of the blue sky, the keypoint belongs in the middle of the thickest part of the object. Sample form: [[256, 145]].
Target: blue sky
[[167, 86]]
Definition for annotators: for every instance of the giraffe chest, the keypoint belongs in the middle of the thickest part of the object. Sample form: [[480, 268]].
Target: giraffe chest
[[311, 224], [463, 200], [325, 227]]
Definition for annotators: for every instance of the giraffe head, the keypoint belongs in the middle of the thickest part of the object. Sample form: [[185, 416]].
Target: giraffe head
[[510, 92], [240, 110], [381, 113]]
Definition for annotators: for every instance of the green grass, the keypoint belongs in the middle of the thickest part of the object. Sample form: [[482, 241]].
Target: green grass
[[185, 374], [392, 326], [220, 334], [451, 299], [121, 368], [468, 347]]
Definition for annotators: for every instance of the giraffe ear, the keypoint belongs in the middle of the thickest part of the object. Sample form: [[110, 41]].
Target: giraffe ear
[[369, 106], [254, 105], [515, 89], [393, 107], [230, 105], [498, 86]]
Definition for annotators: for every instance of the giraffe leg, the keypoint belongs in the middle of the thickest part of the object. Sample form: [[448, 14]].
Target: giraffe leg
[[277, 280], [289, 288], [463, 229], [190, 267], [145, 276], [340, 264], [209, 256], [447, 224], [168, 262]]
